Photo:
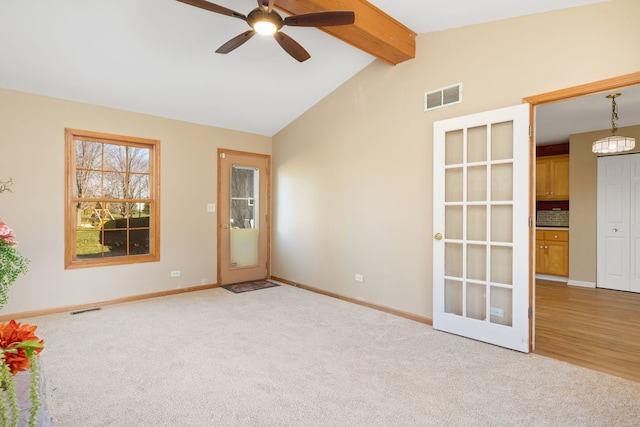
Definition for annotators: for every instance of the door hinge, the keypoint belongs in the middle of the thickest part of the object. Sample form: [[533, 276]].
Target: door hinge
[[223, 155], [530, 131], [530, 222], [530, 312]]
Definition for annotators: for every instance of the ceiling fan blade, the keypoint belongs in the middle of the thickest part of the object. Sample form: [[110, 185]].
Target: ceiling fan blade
[[321, 19], [203, 4], [266, 4], [292, 47], [235, 42]]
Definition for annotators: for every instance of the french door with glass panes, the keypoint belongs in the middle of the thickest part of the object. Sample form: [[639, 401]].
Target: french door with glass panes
[[481, 227], [243, 216]]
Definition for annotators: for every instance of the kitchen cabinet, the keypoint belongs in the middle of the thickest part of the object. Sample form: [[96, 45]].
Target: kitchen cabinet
[[552, 252], [552, 177]]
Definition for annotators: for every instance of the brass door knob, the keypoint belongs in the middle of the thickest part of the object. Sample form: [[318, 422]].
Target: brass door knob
[[225, 226], [438, 236]]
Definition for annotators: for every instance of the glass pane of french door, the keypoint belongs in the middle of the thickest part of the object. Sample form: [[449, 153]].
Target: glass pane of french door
[[475, 191]]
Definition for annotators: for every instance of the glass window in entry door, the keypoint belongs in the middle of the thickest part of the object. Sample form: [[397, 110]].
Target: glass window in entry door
[[244, 216]]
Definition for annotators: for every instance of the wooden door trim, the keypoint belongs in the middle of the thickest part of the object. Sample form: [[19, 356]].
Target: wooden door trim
[[584, 89], [547, 98], [219, 187]]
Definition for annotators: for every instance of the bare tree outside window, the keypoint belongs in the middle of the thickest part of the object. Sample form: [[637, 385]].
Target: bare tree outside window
[[243, 186]]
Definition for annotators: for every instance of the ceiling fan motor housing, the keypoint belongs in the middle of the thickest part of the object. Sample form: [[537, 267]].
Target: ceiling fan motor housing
[[258, 15]]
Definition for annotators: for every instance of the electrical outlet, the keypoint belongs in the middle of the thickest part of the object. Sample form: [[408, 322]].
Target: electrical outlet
[[359, 278], [175, 273], [498, 312]]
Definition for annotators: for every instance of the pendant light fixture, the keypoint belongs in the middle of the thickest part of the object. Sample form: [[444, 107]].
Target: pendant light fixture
[[613, 143]]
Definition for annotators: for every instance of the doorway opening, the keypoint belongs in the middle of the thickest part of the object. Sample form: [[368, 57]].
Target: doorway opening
[[544, 304]]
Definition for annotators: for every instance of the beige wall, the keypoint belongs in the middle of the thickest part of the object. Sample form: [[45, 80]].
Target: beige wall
[[32, 154], [353, 175], [583, 179]]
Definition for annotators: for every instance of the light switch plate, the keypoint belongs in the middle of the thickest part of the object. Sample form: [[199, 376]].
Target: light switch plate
[[211, 207]]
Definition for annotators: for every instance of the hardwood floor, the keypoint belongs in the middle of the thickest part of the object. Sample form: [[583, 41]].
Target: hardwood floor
[[595, 328]]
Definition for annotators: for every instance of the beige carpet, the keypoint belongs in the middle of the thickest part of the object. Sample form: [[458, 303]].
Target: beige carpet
[[287, 357]]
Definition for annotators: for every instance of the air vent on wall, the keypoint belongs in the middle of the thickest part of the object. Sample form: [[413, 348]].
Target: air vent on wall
[[444, 96]]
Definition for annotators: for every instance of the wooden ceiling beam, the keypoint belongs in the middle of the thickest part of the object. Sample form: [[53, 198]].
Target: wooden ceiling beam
[[374, 31]]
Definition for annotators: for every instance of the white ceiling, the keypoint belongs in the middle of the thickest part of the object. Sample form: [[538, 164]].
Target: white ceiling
[[157, 56], [556, 121]]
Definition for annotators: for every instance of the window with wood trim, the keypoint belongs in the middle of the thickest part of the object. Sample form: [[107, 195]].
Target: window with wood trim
[[112, 199]]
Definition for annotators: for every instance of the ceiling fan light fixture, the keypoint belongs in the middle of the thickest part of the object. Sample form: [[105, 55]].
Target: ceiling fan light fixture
[[613, 143], [265, 27]]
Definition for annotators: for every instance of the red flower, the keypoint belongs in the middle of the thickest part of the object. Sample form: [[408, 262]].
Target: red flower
[[12, 334]]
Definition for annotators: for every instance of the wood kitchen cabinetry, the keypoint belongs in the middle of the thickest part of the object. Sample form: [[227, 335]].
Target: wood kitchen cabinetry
[[552, 252], [552, 177]]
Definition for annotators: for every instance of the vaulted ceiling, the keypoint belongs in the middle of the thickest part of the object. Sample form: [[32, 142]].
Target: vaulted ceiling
[[157, 56]]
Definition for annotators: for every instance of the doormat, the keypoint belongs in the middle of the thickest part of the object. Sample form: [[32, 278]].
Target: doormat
[[239, 288]]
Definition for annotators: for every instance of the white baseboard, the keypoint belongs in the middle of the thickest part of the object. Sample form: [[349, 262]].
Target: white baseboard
[[582, 284], [552, 278], [566, 280]]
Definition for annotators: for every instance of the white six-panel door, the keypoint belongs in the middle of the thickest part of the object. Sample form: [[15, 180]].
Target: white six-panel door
[[481, 227], [618, 229]]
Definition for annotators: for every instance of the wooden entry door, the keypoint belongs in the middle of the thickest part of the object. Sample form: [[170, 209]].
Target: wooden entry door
[[243, 216]]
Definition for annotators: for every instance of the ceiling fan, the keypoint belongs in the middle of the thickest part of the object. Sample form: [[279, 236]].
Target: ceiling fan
[[265, 20]]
